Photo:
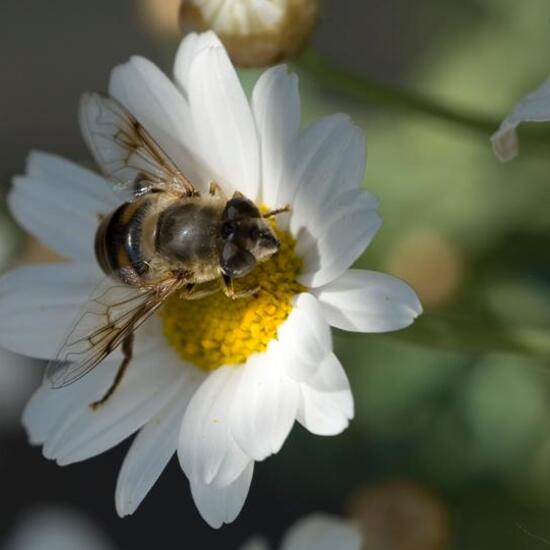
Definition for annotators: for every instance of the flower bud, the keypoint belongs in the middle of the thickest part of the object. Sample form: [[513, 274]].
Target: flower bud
[[160, 19], [401, 515], [257, 33]]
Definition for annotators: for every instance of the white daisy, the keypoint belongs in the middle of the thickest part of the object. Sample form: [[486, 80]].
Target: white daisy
[[534, 107], [221, 381], [315, 532], [255, 32]]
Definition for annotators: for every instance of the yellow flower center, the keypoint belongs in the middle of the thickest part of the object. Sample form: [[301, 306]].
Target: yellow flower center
[[217, 330]]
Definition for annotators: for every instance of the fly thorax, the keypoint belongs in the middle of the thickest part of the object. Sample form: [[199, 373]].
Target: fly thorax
[[187, 232]]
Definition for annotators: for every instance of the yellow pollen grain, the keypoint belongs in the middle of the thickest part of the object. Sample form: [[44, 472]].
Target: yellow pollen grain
[[217, 330]]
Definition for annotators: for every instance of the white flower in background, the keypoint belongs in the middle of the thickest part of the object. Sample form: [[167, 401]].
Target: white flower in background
[[55, 528], [256, 33], [316, 532], [221, 381], [534, 107]]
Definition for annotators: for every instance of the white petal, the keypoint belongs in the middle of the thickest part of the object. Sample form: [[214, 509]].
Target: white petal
[[367, 301], [328, 158], [207, 451], [159, 106], [153, 448], [326, 412], [39, 303], [339, 243], [276, 106], [328, 219], [224, 125], [152, 379], [315, 225], [48, 409], [330, 377], [265, 405], [534, 107], [305, 338], [59, 202], [219, 505], [189, 48], [322, 532]]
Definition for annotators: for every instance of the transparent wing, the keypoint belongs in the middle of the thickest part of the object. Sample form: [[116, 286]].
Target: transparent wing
[[113, 312], [125, 151]]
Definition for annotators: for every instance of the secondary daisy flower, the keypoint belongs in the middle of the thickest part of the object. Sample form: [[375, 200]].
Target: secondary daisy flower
[[255, 32], [534, 107], [315, 532], [219, 380]]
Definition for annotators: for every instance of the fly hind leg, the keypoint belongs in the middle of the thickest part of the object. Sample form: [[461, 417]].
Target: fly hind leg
[[127, 349]]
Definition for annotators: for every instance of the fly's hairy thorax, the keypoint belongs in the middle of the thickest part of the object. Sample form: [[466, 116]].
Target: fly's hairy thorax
[[188, 235], [144, 239]]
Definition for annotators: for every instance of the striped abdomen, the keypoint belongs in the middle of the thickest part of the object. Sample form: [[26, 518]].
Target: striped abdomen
[[119, 242]]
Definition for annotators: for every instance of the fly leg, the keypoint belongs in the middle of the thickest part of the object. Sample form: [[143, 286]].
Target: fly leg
[[196, 292], [276, 212], [230, 292], [216, 191], [127, 348]]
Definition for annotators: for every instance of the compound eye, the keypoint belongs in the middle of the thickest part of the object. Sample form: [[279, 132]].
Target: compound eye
[[239, 208], [228, 230], [236, 262], [255, 234]]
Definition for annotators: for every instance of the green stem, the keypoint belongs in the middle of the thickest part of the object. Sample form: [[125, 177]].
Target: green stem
[[368, 89]]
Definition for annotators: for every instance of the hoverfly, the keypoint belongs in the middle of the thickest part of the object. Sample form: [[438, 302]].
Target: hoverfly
[[165, 237]]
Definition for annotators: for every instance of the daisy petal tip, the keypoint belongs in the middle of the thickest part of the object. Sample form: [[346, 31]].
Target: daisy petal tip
[[413, 304], [117, 73], [403, 308], [124, 505], [211, 516], [368, 301], [33, 439], [326, 404], [219, 505], [208, 39], [410, 305], [34, 156], [325, 427], [505, 144]]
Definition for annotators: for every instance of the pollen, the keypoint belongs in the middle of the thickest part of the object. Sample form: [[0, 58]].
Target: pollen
[[217, 330]]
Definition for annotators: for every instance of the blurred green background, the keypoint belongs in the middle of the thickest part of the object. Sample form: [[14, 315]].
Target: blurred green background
[[451, 436]]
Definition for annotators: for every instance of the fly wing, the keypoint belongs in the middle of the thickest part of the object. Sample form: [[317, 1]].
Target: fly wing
[[112, 313], [125, 151]]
